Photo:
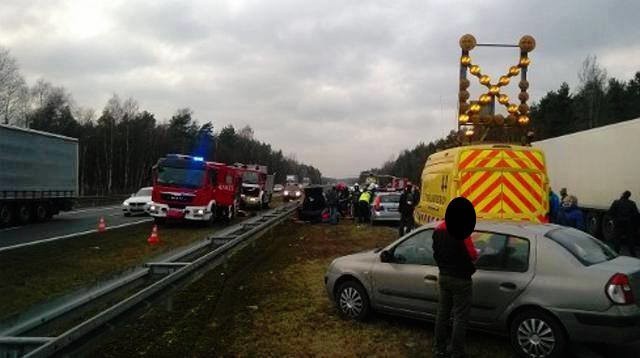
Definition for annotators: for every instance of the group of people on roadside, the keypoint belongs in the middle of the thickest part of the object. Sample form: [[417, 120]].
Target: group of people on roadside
[[623, 212]]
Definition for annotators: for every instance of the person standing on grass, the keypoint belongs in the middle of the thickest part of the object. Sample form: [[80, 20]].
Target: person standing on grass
[[332, 203], [625, 218], [455, 255], [406, 206]]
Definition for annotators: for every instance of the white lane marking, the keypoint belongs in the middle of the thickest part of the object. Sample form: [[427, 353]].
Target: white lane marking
[[100, 208], [32, 243]]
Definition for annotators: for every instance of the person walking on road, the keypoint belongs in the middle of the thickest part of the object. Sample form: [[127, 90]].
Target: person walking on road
[[332, 203], [570, 214], [625, 217], [455, 255], [406, 206], [355, 197]]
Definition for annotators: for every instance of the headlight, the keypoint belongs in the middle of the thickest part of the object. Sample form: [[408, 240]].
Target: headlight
[[152, 208], [125, 203], [286, 192], [298, 193], [200, 212]]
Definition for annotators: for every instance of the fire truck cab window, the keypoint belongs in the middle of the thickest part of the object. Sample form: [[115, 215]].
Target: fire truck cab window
[[213, 176]]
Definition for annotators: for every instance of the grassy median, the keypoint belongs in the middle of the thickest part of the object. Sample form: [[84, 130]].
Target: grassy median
[[270, 301]]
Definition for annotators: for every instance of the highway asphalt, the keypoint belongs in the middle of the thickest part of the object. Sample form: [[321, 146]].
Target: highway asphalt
[[64, 224]]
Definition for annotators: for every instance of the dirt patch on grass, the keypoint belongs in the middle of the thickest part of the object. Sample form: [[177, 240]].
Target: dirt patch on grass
[[271, 301]]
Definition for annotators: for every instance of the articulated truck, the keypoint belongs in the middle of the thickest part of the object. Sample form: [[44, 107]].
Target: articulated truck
[[596, 166], [38, 174]]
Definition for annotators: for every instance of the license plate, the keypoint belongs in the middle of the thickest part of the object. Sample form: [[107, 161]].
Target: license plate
[[175, 213]]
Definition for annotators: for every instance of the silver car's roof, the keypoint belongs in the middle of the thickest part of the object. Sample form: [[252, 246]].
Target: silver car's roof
[[511, 227]]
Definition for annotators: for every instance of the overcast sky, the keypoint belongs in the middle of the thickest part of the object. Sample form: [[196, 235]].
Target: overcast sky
[[345, 85]]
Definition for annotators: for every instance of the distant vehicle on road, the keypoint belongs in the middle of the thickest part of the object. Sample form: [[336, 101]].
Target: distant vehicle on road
[[188, 188], [385, 207], [257, 185], [138, 203], [596, 166], [278, 188], [542, 284], [314, 205], [293, 191], [38, 174], [502, 181]]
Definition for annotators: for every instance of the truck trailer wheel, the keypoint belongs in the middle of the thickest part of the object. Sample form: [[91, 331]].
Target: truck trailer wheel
[[42, 212], [24, 213], [608, 228], [6, 215]]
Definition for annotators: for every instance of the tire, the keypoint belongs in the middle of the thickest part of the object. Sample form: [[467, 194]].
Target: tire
[[535, 333], [41, 212], [593, 223], [352, 301], [608, 228], [24, 213], [6, 215]]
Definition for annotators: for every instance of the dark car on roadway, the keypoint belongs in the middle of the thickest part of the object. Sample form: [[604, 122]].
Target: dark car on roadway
[[543, 285], [292, 191], [314, 204]]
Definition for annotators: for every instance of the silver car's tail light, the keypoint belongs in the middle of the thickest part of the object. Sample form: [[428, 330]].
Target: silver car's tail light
[[618, 289]]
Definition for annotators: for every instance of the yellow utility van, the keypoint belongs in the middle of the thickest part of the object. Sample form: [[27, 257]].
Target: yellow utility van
[[502, 181]]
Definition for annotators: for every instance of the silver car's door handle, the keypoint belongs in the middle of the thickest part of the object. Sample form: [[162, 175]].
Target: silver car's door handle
[[433, 278], [508, 286]]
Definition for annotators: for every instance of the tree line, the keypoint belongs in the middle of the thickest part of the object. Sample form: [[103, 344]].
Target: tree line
[[599, 100], [118, 147]]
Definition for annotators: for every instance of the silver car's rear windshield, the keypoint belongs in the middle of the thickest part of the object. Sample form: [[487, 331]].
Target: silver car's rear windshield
[[390, 198], [587, 249]]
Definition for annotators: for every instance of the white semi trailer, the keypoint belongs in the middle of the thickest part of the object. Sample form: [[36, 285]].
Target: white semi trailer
[[38, 174], [596, 166]]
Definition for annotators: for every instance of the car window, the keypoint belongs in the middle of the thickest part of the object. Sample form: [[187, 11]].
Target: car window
[[390, 198], [498, 252], [416, 250], [587, 249], [144, 192]]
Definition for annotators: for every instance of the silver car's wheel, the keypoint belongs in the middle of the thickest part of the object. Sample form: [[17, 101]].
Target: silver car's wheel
[[352, 300], [536, 334], [536, 338]]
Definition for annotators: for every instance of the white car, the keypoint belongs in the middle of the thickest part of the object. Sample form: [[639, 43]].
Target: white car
[[138, 203]]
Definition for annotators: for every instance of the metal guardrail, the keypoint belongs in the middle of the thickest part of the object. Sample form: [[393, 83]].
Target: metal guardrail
[[203, 256]]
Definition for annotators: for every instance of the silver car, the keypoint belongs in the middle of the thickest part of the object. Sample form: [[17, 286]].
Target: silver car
[[540, 284], [385, 207], [138, 203]]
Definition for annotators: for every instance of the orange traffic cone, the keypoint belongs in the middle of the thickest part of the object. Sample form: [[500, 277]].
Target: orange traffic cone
[[102, 226], [154, 238]]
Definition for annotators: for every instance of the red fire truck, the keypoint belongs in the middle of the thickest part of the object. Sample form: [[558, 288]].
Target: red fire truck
[[257, 185], [188, 188]]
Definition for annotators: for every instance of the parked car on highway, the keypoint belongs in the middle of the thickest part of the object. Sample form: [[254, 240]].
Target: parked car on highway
[[292, 191], [541, 284], [138, 203], [385, 207], [314, 205], [278, 188]]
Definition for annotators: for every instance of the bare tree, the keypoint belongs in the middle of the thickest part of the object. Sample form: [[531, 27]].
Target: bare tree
[[13, 89], [593, 79]]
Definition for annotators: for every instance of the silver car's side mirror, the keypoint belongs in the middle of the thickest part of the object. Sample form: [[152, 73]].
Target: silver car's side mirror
[[386, 256]]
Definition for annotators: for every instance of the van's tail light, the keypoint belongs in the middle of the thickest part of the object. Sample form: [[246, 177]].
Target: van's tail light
[[618, 290], [377, 204]]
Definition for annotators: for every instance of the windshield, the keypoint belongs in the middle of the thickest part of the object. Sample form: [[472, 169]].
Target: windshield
[[188, 178], [250, 178], [144, 192], [587, 249], [390, 198]]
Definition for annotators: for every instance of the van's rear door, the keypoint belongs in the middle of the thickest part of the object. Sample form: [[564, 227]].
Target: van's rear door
[[505, 183]]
